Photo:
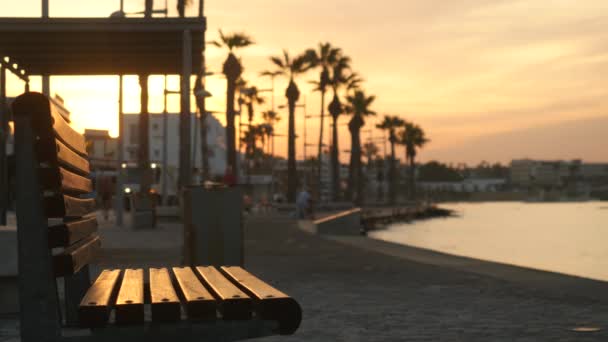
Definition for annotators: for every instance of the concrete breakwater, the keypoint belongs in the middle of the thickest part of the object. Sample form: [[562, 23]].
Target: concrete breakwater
[[376, 218]]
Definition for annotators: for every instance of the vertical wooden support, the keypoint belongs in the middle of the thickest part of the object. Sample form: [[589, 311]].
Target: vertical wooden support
[[46, 85], [37, 287], [185, 168], [143, 159], [3, 136], [75, 288], [120, 154]]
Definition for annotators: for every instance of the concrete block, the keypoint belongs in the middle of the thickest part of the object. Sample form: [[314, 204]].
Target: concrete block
[[213, 230]]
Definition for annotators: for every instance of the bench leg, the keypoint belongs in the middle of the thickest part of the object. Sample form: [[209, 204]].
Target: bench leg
[[75, 288]]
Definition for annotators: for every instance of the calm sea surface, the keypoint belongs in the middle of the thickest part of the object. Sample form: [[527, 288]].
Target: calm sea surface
[[570, 238]]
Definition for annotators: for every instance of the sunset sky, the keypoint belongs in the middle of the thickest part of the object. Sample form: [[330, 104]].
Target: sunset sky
[[487, 79]]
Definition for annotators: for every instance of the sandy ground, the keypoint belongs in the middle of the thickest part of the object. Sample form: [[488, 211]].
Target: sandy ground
[[351, 293]]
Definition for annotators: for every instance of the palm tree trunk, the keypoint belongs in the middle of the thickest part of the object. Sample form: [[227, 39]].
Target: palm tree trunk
[[292, 94], [320, 150], [392, 176], [335, 162], [355, 159], [230, 143], [412, 178], [351, 166]]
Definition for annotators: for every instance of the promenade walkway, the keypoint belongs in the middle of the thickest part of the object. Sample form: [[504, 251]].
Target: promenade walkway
[[353, 294]]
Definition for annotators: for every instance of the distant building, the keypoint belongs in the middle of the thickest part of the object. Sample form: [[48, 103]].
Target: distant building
[[529, 173], [466, 185], [216, 140], [101, 149]]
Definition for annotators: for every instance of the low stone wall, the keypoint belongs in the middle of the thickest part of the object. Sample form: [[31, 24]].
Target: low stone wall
[[343, 223]]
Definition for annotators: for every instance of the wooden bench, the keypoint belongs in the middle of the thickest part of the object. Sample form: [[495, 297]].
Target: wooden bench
[[57, 238]]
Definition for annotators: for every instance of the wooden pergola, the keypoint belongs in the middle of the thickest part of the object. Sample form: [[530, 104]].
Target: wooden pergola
[[108, 46]]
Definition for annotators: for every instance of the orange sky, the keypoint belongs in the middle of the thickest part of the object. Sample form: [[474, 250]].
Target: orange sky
[[470, 71]]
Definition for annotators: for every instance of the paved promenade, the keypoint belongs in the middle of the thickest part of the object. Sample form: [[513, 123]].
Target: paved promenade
[[349, 293]]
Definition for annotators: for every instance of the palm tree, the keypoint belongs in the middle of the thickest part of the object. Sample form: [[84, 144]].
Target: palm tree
[[271, 118], [291, 67], [340, 78], [413, 138], [370, 150], [390, 124], [359, 107], [232, 69], [324, 58], [252, 98]]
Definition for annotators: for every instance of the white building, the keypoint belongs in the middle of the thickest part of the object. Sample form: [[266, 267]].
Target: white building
[[216, 140]]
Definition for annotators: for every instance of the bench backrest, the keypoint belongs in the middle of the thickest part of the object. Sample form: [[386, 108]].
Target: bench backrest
[[56, 224]]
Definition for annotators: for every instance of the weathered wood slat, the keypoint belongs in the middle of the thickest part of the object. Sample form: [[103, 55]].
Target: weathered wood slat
[[68, 206], [55, 153], [67, 158], [234, 303], [130, 301], [269, 303], [66, 133], [73, 258], [56, 179], [199, 303], [70, 232], [165, 303], [95, 307]]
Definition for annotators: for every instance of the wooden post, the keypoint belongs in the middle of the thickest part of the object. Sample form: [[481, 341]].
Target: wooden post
[[38, 302], [120, 159], [185, 169], [3, 135], [143, 161]]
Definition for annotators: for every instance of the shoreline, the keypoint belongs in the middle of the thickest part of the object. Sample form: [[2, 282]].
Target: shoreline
[[538, 279]]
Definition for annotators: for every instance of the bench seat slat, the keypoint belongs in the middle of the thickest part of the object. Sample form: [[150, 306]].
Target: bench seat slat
[[269, 302], [234, 303], [75, 257], [68, 206], [95, 307], [165, 303], [130, 301], [70, 232], [199, 303]]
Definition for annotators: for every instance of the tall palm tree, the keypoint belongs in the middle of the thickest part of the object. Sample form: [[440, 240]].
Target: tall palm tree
[[271, 118], [391, 124], [340, 77], [358, 105], [413, 138], [232, 69], [324, 58], [291, 67]]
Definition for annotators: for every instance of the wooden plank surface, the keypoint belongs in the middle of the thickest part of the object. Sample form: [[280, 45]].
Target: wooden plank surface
[[70, 232], [60, 179], [68, 158], [269, 303], [68, 206], [253, 285], [130, 301], [234, 303], [199, 303], [165, 303], [66, 133], [96, 305], [75, 257]]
